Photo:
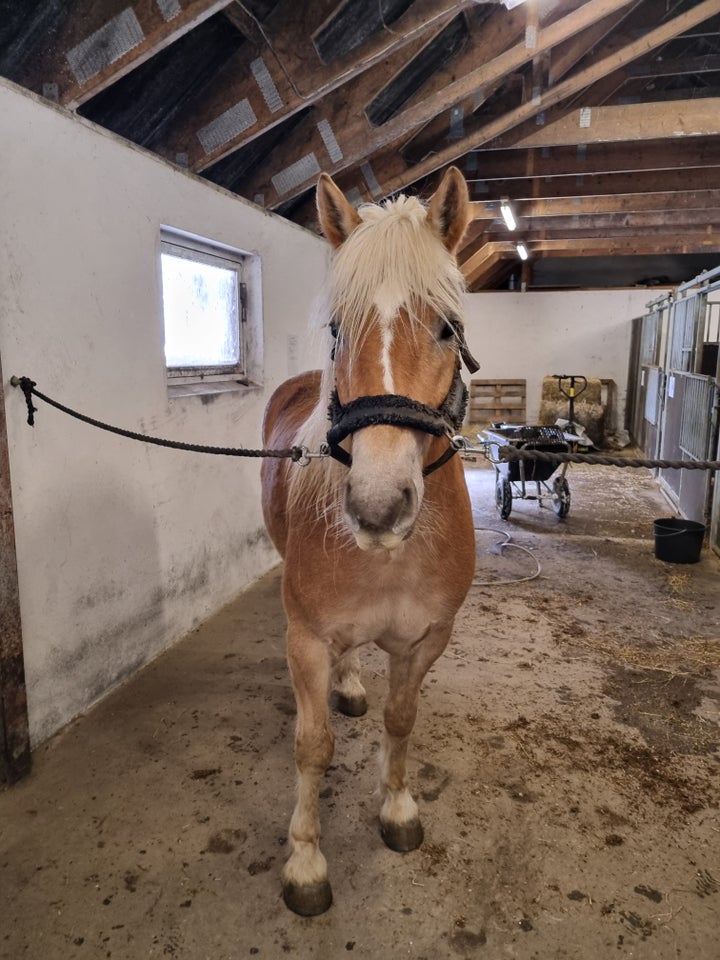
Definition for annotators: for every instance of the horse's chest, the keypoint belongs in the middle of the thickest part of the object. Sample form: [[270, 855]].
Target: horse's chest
[[391, 621]]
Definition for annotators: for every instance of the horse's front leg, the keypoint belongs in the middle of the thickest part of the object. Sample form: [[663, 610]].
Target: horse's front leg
[[305, 885], [400, 825]]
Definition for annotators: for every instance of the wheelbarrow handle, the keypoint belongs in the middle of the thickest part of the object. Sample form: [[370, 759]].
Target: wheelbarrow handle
[[571, 393]]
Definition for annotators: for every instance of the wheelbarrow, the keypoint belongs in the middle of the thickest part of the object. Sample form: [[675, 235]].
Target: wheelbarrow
[[527, 479]]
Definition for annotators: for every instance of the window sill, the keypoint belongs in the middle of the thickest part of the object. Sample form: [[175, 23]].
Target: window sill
[[205, 389]]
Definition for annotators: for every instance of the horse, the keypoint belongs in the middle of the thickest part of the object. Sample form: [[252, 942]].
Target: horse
[[377, 538]]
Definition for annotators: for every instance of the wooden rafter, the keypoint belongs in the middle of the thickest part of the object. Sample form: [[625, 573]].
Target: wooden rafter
[[661, 203], [280, 73], [358, 139], [100, 42], [489, 131]]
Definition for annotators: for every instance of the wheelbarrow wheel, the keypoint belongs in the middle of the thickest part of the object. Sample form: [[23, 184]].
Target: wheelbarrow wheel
[[561, 497], [503, 497]]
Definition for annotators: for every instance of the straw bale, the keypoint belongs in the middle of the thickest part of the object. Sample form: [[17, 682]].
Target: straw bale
[[550, 391], [590, 415]]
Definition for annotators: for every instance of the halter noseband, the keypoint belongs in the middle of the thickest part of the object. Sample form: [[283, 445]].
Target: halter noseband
[[395, 410]]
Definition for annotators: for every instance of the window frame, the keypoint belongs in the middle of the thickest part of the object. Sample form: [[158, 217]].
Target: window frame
[[205, 378]]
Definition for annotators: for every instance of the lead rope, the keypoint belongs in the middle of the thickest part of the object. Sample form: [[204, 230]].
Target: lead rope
[[508, 453], [299, 455], [302, 456]]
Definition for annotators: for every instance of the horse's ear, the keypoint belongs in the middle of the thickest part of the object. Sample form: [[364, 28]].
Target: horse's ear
[[337, 217], [449, 209]]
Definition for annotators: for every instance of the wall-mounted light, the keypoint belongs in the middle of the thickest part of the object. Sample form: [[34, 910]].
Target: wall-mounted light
[[522, 251], [508, 214]]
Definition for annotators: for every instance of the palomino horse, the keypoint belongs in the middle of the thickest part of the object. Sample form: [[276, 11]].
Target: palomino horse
[[383, 551]]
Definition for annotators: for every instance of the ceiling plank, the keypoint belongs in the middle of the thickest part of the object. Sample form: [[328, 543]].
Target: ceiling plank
[[687, 118], [618, 225], [625, 246], [664, 203], [656, 181], [653, 69], [583, 159]]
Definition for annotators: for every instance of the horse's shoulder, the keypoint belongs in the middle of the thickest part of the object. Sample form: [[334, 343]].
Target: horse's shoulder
[[299, 394]]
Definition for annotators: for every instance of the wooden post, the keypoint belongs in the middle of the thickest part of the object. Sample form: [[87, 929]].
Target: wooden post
[[14, 730]]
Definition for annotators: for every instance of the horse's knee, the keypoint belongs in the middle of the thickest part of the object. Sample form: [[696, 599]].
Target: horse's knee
[[400, 719], [314, 748]]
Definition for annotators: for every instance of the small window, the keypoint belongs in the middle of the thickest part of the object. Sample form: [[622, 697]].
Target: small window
[[205, 311]]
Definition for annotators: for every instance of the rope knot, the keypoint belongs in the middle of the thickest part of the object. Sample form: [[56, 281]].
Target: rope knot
[[27, 385]]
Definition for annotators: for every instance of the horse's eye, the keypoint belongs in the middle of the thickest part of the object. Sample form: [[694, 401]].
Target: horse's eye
[[333, 328], [447, 330]]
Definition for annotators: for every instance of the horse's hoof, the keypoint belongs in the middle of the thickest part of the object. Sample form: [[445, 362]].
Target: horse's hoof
[[351, 706], [402, 837], [307, 901]]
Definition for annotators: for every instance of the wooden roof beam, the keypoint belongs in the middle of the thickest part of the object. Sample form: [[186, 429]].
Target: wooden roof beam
[[487, 132], [620, 225], [656, 181], [601, 158], [633, 121], [665, 203], [682, 66], [281, 73], [359, 137], [100, 42], [625, 246]]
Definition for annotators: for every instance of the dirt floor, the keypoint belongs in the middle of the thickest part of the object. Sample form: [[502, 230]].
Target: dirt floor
[[565, 761]]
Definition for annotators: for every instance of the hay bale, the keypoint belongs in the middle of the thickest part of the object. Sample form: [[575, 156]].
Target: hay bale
[[590, 415], [593, 394]]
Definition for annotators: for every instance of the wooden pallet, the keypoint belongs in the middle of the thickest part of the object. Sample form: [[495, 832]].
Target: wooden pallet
[[497, 401]]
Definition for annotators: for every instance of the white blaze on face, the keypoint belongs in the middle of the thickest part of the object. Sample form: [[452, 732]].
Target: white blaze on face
[[387, 305], [385, 358]]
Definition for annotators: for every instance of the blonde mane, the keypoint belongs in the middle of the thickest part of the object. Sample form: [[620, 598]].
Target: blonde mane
[[393, 259]]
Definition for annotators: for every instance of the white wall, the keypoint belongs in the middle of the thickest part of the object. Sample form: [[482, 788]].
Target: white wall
[[122, 547], [536, 334]]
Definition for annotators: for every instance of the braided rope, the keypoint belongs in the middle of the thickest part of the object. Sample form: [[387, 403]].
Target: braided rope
[[505, 453], [508, 453], [28, 388]]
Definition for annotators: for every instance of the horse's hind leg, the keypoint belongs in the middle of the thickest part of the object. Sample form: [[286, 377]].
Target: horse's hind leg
[[305, 885], [400, 825], [348, 692]]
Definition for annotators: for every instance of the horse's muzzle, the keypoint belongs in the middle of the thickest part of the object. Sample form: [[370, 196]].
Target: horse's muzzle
[[380, 523]]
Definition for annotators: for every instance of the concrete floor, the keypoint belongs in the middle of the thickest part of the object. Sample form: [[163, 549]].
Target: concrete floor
[[565, 762]]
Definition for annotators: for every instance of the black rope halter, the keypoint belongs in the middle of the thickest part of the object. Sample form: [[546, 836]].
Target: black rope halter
[[395, 410]]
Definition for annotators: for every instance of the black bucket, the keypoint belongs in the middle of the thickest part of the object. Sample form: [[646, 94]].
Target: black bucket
[[678, 540]]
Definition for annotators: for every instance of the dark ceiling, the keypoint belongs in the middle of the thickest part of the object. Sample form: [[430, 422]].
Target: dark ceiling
[[599, 120]]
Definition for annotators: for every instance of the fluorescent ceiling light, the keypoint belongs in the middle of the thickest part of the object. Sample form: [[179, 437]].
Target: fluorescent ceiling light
[[507, 214], [522, 251]]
